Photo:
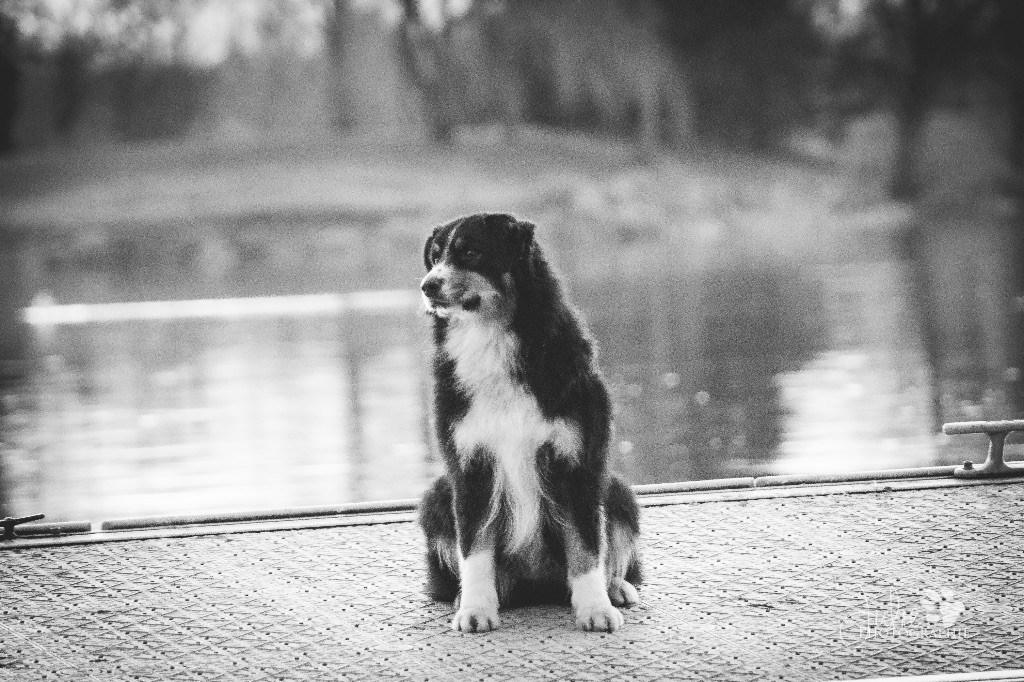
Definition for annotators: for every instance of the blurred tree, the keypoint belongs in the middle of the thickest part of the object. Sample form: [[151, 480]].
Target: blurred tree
[[70, 86], [10, 81], [924, 47], [426, 54], [907, 56], [338, 28], [505, 86], [596, 66], [603, 66], [752, 66]]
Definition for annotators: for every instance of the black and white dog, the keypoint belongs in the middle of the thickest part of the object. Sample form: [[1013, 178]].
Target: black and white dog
[[527, 510]]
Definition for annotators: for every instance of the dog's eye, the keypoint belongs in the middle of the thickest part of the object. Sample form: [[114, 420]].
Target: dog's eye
[[435, 252], [470, 254]]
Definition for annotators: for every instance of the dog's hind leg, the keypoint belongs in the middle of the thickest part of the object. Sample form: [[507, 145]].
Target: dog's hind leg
[[623, 565], [438, 523], [584, 530]]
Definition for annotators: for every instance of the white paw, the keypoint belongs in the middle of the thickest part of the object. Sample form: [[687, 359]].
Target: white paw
[[476, 619], [599, 617], [622, 593]]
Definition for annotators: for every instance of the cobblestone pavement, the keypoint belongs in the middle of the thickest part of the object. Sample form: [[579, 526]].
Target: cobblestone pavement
[[841, 586]]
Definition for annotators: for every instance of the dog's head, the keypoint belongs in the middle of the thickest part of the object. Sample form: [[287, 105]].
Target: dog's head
[[471, 263]]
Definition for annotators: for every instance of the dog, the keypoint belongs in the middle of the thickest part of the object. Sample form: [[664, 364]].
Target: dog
[[527, 511]]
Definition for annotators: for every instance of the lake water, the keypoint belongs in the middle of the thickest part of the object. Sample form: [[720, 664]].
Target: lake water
[[269, 393]]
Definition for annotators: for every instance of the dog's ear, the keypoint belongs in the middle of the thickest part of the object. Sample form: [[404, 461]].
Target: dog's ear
[[428, 246], [523, 235]]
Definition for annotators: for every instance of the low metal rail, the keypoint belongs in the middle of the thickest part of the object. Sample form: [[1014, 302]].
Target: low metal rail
[[402, 510]]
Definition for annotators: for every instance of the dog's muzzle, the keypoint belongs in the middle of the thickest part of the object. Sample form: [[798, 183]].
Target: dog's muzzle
[[438, 302], [434, 300], [431, 287]]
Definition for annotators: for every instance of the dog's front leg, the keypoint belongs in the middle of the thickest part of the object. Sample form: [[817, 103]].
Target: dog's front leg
[[585, 566], [478, 599], [478, 602]]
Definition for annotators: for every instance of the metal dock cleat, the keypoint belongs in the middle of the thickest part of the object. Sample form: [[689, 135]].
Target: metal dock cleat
[[994, 466], [7, 525]]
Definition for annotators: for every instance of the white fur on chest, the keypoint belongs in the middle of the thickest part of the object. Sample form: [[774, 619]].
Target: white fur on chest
[[504, 421]]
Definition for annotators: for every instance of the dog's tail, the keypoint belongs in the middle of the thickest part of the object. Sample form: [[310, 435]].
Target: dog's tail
[[623, 532]]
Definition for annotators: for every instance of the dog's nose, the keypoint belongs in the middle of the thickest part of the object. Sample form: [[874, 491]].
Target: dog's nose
[[431, 286]]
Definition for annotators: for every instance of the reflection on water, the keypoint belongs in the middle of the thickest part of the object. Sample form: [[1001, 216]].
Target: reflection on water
[[862, 402], [272, 402], [742, 367]]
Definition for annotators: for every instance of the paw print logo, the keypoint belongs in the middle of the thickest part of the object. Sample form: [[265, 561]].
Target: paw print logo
[[941, 606]]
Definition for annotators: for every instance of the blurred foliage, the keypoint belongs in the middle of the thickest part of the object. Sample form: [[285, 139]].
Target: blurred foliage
[[736, 72], [195, 32], [733, 72], [665, 72]]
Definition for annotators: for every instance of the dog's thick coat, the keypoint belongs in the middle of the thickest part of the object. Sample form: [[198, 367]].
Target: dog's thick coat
[[527, 510]]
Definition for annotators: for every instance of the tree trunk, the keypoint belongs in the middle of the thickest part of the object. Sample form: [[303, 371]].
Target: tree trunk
[[70, 88], [649, 132], [427, 62], [649, 86], [905, 183], [444, 85], [13, 298], [338, 33], [9, 82]]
